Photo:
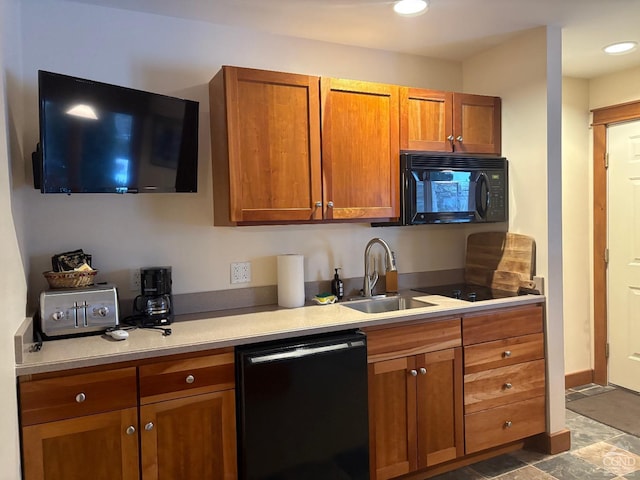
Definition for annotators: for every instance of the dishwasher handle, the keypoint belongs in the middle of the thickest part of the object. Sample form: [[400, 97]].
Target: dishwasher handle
[[302, 351]]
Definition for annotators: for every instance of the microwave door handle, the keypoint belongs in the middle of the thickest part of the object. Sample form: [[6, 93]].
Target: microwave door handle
[[482, 204]]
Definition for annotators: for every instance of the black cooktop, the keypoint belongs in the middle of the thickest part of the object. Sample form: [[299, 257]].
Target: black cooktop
[[466, 291]]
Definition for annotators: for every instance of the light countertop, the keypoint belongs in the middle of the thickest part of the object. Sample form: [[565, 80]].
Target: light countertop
[[225, 329]]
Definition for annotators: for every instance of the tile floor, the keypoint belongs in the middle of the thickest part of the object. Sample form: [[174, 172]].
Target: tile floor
[[597, 452]]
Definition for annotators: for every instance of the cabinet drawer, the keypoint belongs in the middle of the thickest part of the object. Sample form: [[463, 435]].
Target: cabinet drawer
[[501, 324], [77, 395], [179, 378], [501, 353], [405, 340], [501, 425], [492, 388]]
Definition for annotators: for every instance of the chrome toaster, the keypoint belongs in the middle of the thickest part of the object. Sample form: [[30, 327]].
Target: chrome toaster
[[78, 311]]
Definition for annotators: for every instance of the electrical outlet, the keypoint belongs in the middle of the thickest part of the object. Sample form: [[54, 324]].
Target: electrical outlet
[[241, 272], [134, 279]]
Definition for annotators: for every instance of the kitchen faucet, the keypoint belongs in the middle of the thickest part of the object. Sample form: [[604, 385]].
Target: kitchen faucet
[[370, 279]]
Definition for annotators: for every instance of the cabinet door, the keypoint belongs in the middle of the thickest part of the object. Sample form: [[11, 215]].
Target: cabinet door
[[440, 407], [267, 166], [189, 438], [360, 150], [426, 120], [476, 123], [100, 447], [392, 418]]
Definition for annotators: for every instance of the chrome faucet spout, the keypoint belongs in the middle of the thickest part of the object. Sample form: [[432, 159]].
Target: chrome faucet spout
[[371, 278]]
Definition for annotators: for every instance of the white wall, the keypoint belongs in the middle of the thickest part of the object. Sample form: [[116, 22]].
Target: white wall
[[179, 57], [525, 72], [577, 225], [619, 87], [12, 280]]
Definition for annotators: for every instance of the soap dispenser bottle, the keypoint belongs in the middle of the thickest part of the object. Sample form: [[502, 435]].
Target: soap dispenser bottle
[[337, 287]]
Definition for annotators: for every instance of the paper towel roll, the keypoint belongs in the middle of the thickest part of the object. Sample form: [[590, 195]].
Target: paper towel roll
[[291, 280]]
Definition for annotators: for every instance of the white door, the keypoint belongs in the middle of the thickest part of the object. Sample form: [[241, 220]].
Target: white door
[[623, 286]]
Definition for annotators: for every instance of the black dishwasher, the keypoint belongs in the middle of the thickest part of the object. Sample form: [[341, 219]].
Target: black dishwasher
[[302, 408]]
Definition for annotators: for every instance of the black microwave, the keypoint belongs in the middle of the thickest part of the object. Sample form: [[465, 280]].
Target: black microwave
[[452, 189]]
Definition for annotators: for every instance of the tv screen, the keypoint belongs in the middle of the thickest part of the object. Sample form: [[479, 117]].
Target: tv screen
[[101, 138]]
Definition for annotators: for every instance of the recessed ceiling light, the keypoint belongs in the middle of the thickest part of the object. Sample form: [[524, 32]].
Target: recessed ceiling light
[[409, 8], [620, 48]]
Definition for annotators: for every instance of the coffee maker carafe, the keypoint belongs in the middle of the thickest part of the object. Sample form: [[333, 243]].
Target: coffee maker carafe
[[154, 306]]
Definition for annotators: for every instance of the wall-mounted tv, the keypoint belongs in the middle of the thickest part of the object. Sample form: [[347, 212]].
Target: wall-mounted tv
[[102, 138]]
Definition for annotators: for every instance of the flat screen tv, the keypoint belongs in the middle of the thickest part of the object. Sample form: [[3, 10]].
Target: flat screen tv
[[102, 138]]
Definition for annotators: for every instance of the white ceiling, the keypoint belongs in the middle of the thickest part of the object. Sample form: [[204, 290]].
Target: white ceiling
[[451, 29]]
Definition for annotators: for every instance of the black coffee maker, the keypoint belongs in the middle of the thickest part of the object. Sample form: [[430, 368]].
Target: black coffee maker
[[154, 306]]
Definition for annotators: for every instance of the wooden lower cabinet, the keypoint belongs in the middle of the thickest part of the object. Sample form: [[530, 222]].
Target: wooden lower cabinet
[[100, 447], [501, 425], [415, 401], [445, 392], [189, 438], [180, 423], [504, 381]]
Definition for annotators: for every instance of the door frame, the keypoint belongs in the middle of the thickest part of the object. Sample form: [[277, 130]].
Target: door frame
[[602, 118]]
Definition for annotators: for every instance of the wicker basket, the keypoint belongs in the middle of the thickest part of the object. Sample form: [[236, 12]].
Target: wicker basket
[[70, 279]]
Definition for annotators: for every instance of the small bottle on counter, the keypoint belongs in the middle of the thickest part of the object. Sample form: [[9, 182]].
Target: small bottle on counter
[[337, 287]]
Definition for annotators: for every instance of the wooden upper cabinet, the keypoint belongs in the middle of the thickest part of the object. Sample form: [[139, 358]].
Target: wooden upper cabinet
[[426, 119], [290, 148], [265, 139], [360, 149], [477, 123], [437, 121]]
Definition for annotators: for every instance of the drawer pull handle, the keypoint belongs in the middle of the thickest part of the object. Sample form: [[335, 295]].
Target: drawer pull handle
[[130, 430], [81, 397], [507, 354], [190, 379], [149, 426], [508, 424], [414, 373], [423, 371], [508, 386]]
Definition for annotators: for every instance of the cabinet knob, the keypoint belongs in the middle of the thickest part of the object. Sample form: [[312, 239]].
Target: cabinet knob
[[507, 354], [423, 371], [413, 373], [508, 386], [130, 430], [508, 424], [318, 204], [459, 138], [329, 204], [450, 138], [190, 379], [81, 397], [149, 426]]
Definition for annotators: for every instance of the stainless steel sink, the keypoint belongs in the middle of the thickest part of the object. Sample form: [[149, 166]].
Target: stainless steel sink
[[386, 304]]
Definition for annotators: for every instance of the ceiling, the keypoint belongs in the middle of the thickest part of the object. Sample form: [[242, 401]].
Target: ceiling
[[451, 29]]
